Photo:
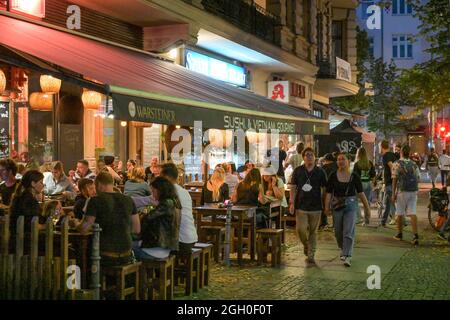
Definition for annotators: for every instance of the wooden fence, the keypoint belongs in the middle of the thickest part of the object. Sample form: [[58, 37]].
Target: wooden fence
[[43, 277]]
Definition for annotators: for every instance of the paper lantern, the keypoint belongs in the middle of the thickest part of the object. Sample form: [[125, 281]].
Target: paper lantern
[[255, 137], [2, 81], [220, 138], [91, 99], [41, 101], [139, 124], [50, 84]]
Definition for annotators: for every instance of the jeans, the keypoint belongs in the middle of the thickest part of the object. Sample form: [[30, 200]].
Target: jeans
[[367, 189], [307, 223], [444, 174], [389, 207], [344, 226]]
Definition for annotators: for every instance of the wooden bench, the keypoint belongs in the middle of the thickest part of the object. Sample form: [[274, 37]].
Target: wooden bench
[[205, 262], [157, 278], [187, 270], [120, 274], [269, 240], [216, 236]]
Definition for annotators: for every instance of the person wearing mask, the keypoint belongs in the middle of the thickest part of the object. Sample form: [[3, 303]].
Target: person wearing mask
[[56, 182], [153, 167], [117, 216], [405, 185], [136, 185], [215, 190], [344, 187], [87, 191], [365, 169], [188, 232], [230, 179], [295, 160], [388, 158], [250, 192], [25, 201], [306, 197], [8, 171], [161, 227], [273, 186], [444, 165], [109, 165], [432, 166]]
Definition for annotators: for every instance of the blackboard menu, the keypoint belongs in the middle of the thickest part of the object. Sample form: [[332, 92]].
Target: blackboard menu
[[4, 129], [151, 141], [71, 145]]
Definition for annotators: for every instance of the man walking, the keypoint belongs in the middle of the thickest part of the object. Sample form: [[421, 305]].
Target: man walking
[[432, 166], [295, 160], [388, 164], [307, 193], [405, 185], [444, 165]]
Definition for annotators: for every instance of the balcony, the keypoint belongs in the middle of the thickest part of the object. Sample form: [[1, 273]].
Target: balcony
[[245, 15], [330, 81], [327, 69]]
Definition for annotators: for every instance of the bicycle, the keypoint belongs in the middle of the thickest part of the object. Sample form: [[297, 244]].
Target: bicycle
[[438, 208]]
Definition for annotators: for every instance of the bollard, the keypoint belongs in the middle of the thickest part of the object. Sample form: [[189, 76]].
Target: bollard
[[95, 262], [227, 235]]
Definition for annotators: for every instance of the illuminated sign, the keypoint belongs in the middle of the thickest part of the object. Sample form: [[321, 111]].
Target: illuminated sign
[[215, 68], [278, 91], [34, 8]]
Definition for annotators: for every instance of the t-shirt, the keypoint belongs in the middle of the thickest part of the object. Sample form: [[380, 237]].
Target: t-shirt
[[80, 202], [232, 181], [365, 175], [400, 173], [136, 189], [432, 160], [387, 174], [329, 168], [7, 192], [113, 211], [309, 200], [342, 189], [188, 232], [25, 205], [295, 160]]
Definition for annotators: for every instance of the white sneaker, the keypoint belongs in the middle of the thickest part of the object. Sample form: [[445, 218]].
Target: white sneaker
[[342, 258], [392, 222], [348, 261]]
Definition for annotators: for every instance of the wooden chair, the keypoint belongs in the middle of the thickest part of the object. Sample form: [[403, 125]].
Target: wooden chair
[[269, 240], [285, 218], [275, 213], [216, 236], [187, 270], [157, 278], [205, 262], [120, 274]]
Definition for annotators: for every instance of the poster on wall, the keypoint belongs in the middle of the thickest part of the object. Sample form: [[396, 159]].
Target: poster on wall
[[4, 129], [343, 70], [152, 140]]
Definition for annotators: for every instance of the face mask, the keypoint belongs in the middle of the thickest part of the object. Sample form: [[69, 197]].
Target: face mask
[[307, 187]]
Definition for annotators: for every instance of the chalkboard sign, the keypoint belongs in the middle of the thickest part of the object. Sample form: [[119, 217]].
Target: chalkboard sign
[[4, 129], [151, 141], [70, 145]]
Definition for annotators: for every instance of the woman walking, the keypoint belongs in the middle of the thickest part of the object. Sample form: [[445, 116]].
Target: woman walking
[[343, 187], [365, 169]]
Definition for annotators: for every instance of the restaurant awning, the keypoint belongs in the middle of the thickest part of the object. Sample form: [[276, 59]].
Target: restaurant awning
[[147, 88]]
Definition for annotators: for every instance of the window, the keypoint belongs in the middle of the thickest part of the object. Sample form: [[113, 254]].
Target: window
[[337, 39], [317, 113], [401, 46], [401, 7], [371, 46], [306, 19], [364, 7]]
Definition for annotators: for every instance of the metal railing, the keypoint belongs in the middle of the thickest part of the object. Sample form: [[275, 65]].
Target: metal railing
[[327, 68]]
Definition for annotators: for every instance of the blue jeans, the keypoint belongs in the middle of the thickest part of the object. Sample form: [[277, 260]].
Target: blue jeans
[[344, 226], [367, 189], [389, 207]]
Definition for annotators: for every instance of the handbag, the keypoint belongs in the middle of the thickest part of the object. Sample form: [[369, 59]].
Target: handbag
[[338, 203]]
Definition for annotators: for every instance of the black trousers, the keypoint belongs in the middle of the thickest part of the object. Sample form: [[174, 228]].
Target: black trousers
[[444, 174]]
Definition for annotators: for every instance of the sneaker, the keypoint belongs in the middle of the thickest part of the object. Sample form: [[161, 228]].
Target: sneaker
[[399, 237], [392, 222], [415, 241], [347, 261], [342, 258], [442, 236]]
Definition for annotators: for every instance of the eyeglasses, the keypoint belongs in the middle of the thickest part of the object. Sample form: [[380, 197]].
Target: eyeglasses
[[310, 155]]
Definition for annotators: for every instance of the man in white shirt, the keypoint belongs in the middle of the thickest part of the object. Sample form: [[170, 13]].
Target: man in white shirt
[[444, 165], [188, 232]]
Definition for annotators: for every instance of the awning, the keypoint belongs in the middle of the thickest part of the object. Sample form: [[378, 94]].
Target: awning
[[146, 88]]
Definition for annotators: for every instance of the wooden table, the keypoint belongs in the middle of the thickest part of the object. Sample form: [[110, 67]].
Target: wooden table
[[196, 197], [242, 213]]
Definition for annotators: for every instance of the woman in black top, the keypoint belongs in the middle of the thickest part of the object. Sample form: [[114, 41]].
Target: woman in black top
[[344, 186], [215, 190], [365, 169]]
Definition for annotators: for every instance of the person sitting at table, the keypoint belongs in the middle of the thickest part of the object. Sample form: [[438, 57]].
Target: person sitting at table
[[230, 179], [131, 164], [161, 227], [188, 232], [25, 201], [87, 191], [109, 163], [243, 170], [215, 190], [118, 219], [136, 185], [154, 166], [273, 186], [57, 182], [20, 171], [83, 171], [53, 209], [250, 192], [101, 166], [8, 171]]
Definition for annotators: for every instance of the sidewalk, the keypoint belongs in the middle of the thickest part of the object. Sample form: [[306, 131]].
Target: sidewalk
[[407, 272]]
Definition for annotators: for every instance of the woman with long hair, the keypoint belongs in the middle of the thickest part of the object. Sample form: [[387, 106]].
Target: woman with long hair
[[136, 185], [365, 169], [215, 190], [160, 228], [344, 187], [273, 186], [25, 201]]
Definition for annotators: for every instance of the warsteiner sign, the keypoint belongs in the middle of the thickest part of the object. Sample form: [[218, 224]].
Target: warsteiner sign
[[129, 108]]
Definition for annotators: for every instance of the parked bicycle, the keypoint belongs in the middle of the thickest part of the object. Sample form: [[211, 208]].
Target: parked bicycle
[[438, 208]]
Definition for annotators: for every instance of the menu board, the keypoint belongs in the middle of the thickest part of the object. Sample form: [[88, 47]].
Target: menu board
[[4, 129], [70, 145], [152, 141]]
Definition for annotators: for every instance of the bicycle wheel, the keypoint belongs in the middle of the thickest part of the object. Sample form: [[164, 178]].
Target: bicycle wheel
[[436, 221]]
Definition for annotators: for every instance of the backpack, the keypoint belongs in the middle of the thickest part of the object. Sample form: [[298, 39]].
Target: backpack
[[409, 181]]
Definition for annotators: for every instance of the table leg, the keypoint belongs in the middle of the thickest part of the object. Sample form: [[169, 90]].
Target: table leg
[[240, 235], [84, 261], [198, 219], [253, 232]]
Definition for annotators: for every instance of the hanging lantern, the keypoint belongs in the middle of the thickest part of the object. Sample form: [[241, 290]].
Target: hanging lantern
[[255, 137], [2, 81], [220, 138], [140, 124], [41, 101], [50, 84], [91, 99]]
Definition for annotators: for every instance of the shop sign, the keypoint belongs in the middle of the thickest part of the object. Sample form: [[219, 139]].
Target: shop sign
[[298, 90], [215, 68], [35, 8], [278, 91], [343, 70]]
